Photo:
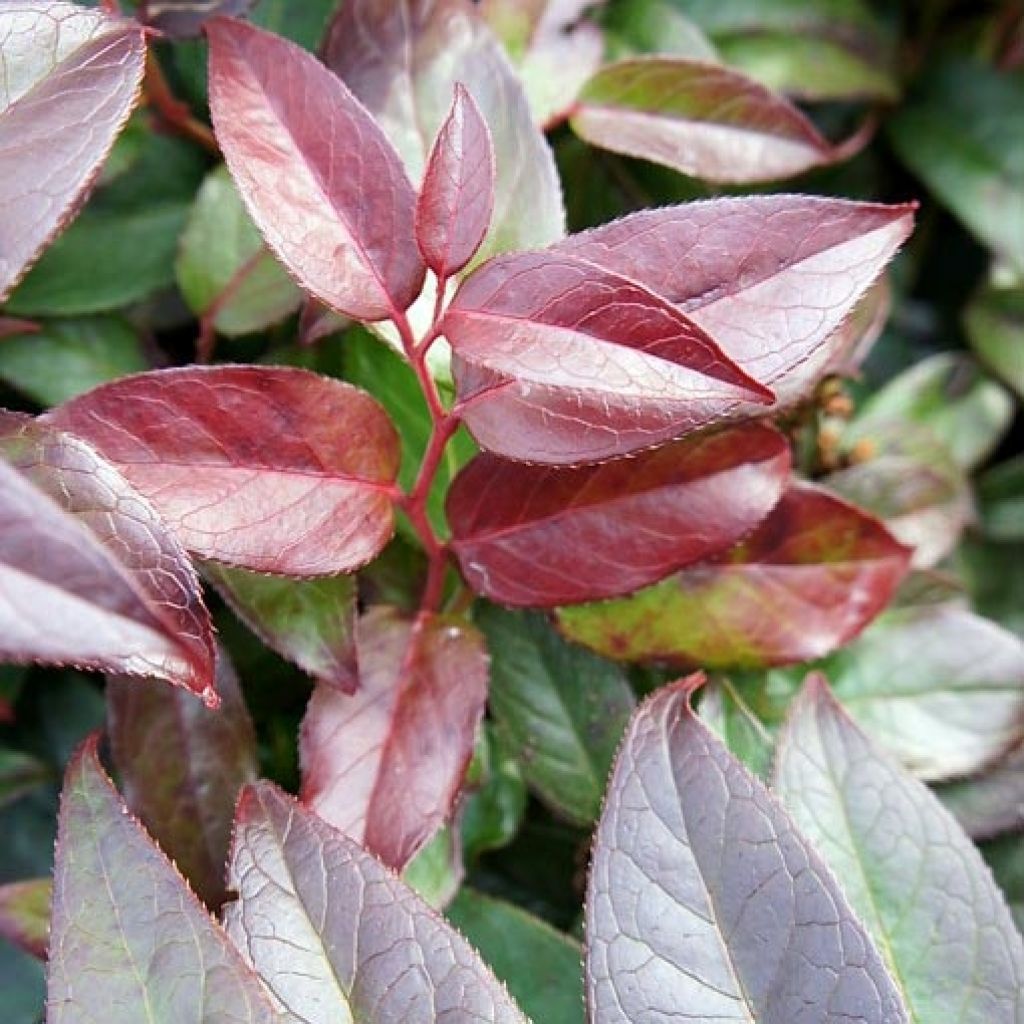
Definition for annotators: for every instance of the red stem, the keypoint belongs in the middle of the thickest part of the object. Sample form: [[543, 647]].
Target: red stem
[[176, 115]]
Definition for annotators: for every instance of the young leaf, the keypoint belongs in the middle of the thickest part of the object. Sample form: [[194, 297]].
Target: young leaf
[[264, 468], [25, 915], [770, 278], [317, 174], [453, 211], [181, 767], [911, 874], [562, 361], [541, 537], [990, 804], [385, 765], [704, 896], [127, 936], [336, 936], [700, 119], [91, 577], [807, 581], [69, 78]]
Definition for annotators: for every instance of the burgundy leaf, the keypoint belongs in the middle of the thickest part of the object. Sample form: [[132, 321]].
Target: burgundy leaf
[[69, 78], [455, 204], [317, 174], [266, 468], [704, 898], [181, 767], [384, 766], [89, 575], [25, 915], [771, 278], [182, 18], [807, 581], [535, 535], [562, 361]]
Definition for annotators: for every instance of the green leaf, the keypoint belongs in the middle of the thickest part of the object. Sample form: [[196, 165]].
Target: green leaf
[[994, 576], [25, 915], [1005, 857], [723, 708], [436, 872], [304, 22], [994, 322], [561, 709], [655, 26], [540, 965], [721, 17], [1001, 498], [20, 773], [495, 797]]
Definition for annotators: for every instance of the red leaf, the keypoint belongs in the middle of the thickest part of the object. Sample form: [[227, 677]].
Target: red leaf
[[317, 174], [89, 575], [69, 78], [770, 278], [455, 204], [266, 468], [580, 363], [384, 766], [533, 535], [807, 581]]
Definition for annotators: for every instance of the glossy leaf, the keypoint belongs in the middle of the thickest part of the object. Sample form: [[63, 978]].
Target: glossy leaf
[[309, 622], [101, 932], [90, 576], [532, 535], [453, 211], [700, 119], [317, 174], [771, 278], [264, 468], [183, 18], [561, 710], [911, 874], [703, 895], [181, 767], [403, 58], [992, 803], [995, 328], [561, 361], [385, 765], [70, 78], [25, 915], [808, 580], [336, 936]]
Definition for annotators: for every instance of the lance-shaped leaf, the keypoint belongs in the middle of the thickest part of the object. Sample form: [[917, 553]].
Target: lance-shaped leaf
[[992, 803], [336, 936], [915, 879], [455, 204], [318, 176], [771, 278], [182, 18], [540, 536], [704, 897], [89, 574], [69, 78], [808, 580], [403, 58], [385, 765], [309, 622], [701, 119], [25, 915], [265, 468], [181, 767], [562, 361], [127, 936]]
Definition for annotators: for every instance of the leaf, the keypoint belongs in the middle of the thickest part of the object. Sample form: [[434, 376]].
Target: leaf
[[1001, 495], [540, 965], [182, 18], [1004, 858], [385, 765], [264, 468], [704, 896], [561, 361], [436, 872], [453, 211], [336, 936], [911, 874], [655, 26], [700, 119], [561, 710], [994, 322], [20, 773], [318, 176], [723, 709], [70, 78], [537, 536], [25, 915], [807, 581], [494, 803], [771, 278], [142, 944], [181, 767], [403, 58], [990, 804], [11, 327], [65, 358], [90, 576], [309, 622], [224, 270]]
